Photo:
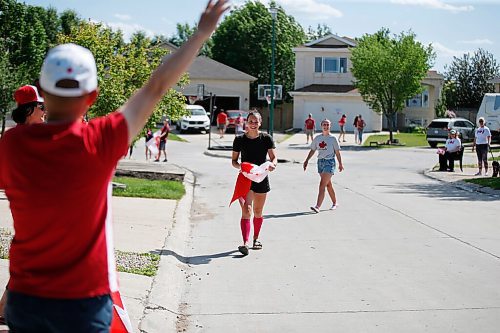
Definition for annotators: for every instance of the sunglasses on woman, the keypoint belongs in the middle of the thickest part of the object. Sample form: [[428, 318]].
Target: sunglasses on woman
[[41, 107]]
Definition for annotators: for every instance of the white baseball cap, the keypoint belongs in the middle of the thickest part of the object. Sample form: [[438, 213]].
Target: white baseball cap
[[69, 70]]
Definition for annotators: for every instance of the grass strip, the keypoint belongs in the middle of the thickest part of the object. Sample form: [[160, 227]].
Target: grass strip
[[137, 263], [494, 183], [406, 139], [145, 188]]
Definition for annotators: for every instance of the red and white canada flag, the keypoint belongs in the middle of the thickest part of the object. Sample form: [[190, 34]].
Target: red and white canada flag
[[249, 173], [121, 321]]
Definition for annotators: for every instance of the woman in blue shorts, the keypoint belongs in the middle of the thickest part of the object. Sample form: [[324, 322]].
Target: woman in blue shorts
[[328, 148]]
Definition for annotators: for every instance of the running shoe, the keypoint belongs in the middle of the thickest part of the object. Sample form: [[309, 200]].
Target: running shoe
[[478, 174], [315, 209], [334, 206]]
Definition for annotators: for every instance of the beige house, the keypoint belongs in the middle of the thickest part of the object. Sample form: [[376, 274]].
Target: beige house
[[496, 82], [231, 86], [324, 87]]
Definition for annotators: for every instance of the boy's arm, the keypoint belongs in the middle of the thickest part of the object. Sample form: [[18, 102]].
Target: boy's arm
[[140, 106]]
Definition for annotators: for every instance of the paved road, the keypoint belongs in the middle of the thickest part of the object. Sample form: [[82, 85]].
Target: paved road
[[402, 253]]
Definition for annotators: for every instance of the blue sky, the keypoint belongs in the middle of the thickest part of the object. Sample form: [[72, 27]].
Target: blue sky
[[453, 27]]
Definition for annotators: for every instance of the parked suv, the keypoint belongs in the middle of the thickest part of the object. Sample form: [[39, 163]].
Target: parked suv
[[196, 120], [438, 129]]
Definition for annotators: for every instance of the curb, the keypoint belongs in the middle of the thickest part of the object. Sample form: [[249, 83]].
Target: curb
[[162, 311], [460, 184]]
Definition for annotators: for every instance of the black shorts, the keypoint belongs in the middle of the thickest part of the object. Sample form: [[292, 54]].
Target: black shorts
[[162, 144], [262, 187]]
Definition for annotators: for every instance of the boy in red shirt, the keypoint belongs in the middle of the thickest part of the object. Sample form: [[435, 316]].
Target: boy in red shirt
[[62, 267], [309, 127], [165, 130], [221, 123]]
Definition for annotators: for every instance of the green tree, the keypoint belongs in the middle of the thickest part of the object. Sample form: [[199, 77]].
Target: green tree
[[69, 20], [468, 79], [184, 31], [389, 70], [123, 68], [321, 31], [243, 41], [9, 81]]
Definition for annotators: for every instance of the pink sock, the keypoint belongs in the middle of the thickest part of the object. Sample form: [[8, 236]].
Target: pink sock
[[257, 224], [245, 229]]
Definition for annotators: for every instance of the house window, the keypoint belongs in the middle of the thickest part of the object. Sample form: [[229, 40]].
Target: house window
[[343, 65], [330, 65], [419, 101], [318, 65]]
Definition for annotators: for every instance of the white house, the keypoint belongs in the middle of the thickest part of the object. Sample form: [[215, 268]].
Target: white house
[[324, 87]]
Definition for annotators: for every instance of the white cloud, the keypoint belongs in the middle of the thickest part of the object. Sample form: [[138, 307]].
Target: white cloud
[[123, 17], [443, 51], [129, 28], [477, 41], [436, 4], [311, 8]]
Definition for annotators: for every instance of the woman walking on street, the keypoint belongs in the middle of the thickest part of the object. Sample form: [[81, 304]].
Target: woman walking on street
[[482, 141], [328, 148], [254, 147]]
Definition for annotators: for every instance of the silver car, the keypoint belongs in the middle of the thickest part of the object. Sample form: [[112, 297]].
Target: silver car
[[437, 131]]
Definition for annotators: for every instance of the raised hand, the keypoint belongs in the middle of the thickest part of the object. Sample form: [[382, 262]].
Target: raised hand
[[211, 15]]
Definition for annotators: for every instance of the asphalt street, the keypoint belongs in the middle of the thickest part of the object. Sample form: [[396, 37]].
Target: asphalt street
[[402, 253]]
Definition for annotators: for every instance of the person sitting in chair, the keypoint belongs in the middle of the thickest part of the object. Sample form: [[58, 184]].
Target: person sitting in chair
[[449, 152]]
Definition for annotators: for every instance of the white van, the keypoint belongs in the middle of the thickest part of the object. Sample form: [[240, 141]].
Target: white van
[[490, 111], [197, 119]]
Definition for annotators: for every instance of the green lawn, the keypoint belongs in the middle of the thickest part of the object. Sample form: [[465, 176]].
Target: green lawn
[[145, 188], [494, 183], [175, 137], [407, 139]]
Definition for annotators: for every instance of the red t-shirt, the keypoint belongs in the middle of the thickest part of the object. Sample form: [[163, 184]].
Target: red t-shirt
[[56, 177], [222, 118], [342, 121], [309, 123], [164, 129]]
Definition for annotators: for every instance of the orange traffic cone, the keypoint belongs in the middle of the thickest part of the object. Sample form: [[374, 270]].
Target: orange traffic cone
[[120, 322]]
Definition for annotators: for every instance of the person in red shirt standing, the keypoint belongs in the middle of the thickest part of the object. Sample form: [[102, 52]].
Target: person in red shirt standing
[[342, 122], [222, 123], [30, 110], [360, 125], [309, 127], [165, 130], [62, 267]]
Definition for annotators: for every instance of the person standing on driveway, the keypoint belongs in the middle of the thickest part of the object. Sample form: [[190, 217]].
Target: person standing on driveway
[[62, 267], [254, 147], [342, 122], [165, 130], [360, 124], [482, 141], [355, 126], [239, 125], [309, 127], [328, 148], [222, 122]]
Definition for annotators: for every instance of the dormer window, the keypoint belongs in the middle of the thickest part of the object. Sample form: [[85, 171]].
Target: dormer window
[[330, 65]]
